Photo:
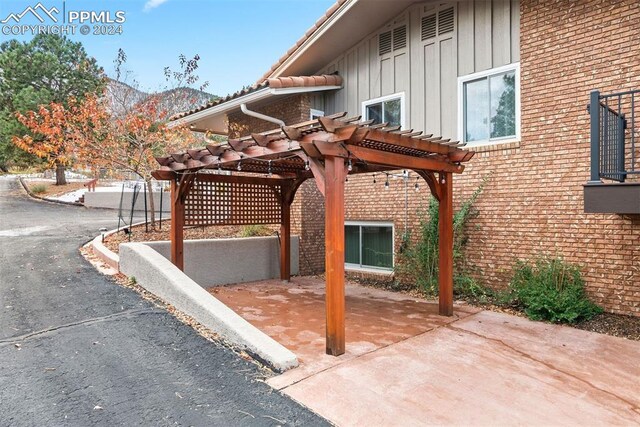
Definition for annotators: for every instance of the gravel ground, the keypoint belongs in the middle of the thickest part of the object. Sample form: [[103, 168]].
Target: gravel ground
[[617, 325]]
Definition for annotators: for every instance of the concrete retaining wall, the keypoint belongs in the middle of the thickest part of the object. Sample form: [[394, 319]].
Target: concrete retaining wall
[[225, 261], [111, 200], [160, 277]]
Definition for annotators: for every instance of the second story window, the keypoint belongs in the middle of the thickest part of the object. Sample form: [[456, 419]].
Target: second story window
[[490, 105], [387, 109]]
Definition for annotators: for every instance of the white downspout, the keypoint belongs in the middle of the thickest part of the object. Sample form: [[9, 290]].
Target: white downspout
[[245, 110]]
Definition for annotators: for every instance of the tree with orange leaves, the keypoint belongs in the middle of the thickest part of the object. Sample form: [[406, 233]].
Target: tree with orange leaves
[[128, 142], [50, 129], [123, 131]]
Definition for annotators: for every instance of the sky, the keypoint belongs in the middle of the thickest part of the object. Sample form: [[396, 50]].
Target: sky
[[237, 40]]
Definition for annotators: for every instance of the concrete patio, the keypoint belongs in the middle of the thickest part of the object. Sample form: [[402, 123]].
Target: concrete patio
[[405, 365]]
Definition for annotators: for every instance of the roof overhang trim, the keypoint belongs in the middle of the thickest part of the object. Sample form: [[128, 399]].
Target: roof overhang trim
[[234, 104], [326, 26]]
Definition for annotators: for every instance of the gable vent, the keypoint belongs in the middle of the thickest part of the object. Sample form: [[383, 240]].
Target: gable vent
[[384, 43], [428, 27], [400, 37], [445, 21]]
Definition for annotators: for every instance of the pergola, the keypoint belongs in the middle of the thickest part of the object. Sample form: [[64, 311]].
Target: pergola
[[253, 180]]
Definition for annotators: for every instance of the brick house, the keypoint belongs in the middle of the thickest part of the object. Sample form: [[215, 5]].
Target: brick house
[[510, 78]]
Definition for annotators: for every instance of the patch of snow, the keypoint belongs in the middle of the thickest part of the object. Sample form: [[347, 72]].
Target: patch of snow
[[17, 232], [73, 196]]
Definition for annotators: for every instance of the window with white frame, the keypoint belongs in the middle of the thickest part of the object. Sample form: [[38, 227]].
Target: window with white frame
[[314, 114], [489, 107], [368, 245], [386, 109]]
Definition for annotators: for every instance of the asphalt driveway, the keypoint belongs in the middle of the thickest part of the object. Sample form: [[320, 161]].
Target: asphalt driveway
[[77, 349]]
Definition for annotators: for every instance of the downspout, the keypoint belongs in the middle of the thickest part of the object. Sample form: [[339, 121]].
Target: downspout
[[245, 110]]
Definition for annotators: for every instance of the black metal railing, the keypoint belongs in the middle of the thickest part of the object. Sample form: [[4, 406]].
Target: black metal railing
[[613, 135]]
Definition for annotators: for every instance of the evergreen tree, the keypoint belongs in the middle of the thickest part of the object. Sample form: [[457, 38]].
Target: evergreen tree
[[48, 68]]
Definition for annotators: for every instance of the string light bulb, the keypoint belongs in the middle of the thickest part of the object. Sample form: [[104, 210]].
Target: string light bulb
[[386, 183], [239, 166], [349, 166], [416, 187], [374, 178], [306, 165], [270, 172]]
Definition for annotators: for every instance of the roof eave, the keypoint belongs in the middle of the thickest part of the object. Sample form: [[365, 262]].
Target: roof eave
[[233, 104], [300, 50]]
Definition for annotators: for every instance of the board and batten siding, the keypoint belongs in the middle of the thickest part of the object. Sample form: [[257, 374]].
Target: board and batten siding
[[485, 35]]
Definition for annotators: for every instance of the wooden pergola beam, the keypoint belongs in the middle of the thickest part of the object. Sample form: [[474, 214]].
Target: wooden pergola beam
[[378, 157], [244, 179]]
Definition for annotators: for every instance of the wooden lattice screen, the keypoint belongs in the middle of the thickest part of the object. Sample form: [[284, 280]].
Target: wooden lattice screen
[[230, 203]]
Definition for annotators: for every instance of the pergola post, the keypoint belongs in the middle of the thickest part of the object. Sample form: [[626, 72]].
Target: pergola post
[[445, 243], [335, 173], [177, 226], [285, 237]]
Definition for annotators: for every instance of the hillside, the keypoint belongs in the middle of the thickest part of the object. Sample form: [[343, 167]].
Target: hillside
[[122, 97]]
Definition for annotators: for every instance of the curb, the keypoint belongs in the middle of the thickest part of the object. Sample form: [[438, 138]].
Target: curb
[[105, 254], [160, 277], [31, 194]]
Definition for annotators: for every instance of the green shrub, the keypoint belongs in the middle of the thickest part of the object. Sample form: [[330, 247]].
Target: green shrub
[[467, 288], [419, 260], [255, 230], [39, 189], [551, 290]]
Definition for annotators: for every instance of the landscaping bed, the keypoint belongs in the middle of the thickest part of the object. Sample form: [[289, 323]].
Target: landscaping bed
[[138, 233], [46, 188], [616, 325]]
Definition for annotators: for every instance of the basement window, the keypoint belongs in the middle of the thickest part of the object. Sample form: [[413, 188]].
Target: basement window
[[386, 109], [368, 245], [489, 106]]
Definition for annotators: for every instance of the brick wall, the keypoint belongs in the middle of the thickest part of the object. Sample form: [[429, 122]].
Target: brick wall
[[291, 110], [307, 211], [307, 221], [533, 202]]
